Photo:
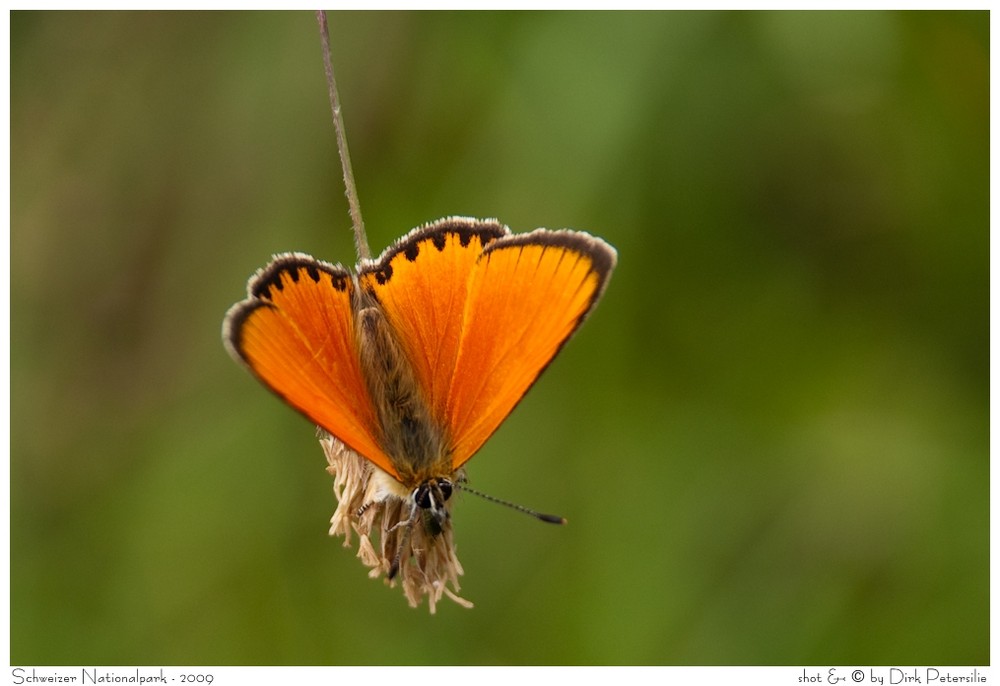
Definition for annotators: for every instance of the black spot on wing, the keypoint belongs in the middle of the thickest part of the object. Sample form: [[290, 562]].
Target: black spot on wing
[[436, 234], [340, 282], [295, 266], [383, 274], [265, 282], [411, 251]]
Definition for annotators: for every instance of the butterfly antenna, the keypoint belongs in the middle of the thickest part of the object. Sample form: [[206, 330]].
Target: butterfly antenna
[[551, 519], [360, 240]]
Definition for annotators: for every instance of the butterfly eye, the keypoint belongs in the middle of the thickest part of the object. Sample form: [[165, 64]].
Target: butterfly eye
[[446, 488], [422, 496]]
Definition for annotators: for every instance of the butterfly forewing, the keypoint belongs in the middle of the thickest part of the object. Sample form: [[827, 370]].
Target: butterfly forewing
[[295, 332], [527, 294]]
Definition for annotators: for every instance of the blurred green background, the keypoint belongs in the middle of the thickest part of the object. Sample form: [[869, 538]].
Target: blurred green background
[[770, 440]]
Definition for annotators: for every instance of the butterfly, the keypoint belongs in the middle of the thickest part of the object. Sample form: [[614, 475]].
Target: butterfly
[[414, 359]]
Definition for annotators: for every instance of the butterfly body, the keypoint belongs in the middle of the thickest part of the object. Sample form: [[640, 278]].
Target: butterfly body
[[414, 442], [414, 360]]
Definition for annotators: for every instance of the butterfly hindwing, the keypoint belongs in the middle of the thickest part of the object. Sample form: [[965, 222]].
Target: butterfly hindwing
[[295, 332]]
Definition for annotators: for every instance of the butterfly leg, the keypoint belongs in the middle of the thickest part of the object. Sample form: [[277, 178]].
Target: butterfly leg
[[403, 540]]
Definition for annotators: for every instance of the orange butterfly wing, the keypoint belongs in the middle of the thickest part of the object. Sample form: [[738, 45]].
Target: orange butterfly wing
[[480, 313], [527, 294], [295, 332]]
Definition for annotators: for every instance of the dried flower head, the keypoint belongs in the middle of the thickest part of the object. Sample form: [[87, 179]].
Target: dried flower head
[[369, 500]]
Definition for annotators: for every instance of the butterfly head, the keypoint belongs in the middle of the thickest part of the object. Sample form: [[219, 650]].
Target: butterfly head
[[430, 497]]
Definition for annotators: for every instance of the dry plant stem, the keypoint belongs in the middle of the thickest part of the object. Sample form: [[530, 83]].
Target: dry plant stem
[[428, 565], [360, 239]]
